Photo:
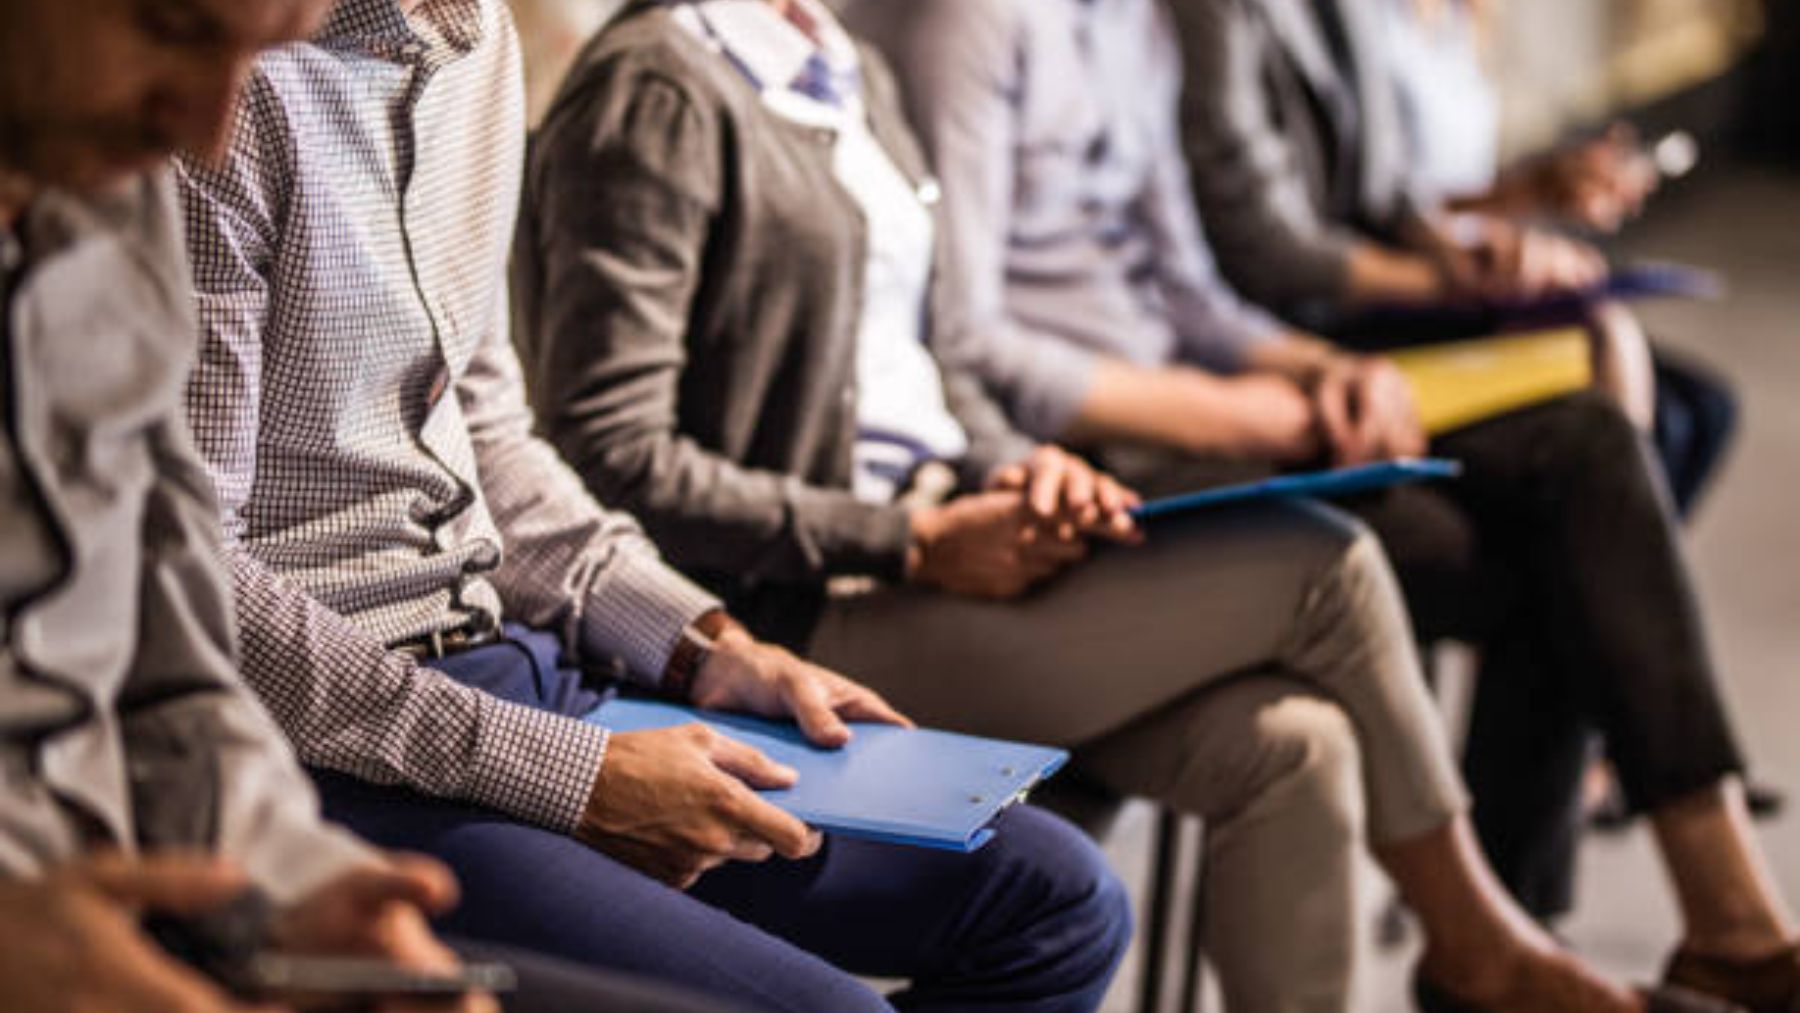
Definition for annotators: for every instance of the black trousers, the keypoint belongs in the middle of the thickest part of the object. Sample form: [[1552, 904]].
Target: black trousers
[[1557, 555]]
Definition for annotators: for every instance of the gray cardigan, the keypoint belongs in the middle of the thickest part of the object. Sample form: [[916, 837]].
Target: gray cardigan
[[689, 281], [1292, 157]]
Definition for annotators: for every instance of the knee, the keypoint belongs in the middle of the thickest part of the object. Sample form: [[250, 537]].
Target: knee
[[1594, 437], [1354, 582], [1310, 766], [1070, 896]]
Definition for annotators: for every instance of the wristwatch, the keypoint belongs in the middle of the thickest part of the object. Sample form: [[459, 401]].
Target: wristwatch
[[692, 648]]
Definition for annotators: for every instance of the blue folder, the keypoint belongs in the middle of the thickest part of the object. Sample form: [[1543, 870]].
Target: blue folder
[[898, 785], [1315, 484], [1626, 282]]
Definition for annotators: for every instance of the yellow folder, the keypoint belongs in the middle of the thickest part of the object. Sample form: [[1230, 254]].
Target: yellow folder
[[1464, 382]]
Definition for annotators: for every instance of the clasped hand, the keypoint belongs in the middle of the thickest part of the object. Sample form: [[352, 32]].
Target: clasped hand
[[1364, 410], [1033, 520]]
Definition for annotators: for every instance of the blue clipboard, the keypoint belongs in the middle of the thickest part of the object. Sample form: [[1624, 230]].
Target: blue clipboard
[[926, 788], [1314, 484], [1660, 280], [1626, 282]]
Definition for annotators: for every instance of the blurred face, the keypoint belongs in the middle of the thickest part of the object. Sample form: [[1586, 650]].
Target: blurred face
[[94, 91]]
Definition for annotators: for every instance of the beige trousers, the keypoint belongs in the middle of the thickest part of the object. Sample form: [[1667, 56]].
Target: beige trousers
[[1253, 666]]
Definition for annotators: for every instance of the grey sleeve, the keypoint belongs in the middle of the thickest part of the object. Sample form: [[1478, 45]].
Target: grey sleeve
[[622, 186], [959, 64], [1214, 326], [1271, 239], [191, 728]]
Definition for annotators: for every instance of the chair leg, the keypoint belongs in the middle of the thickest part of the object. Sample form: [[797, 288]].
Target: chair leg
[[1162, 890], [1196, 939]]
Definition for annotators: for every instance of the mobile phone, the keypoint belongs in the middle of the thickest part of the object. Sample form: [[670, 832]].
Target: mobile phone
[[279, 975]]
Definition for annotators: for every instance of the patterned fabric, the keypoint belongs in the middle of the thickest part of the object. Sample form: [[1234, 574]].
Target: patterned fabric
[[361, 407]]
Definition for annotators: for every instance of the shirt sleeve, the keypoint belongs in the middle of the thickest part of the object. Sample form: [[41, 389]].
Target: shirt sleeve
[[191, 727], [346, 701], [960, 61], [1215, 327], [1267, 230], [570, 565]]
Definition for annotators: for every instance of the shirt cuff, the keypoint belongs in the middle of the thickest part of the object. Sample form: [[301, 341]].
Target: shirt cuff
[[638, 614], [1047, 400], [536, 766]]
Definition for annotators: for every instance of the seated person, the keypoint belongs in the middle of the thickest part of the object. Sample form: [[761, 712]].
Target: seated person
[[137, 773], [1319, 205], [732, 309], [1067, 203], [423, 586], [1450, 111]]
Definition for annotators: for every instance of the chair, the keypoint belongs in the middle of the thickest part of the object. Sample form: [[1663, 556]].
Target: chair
[[1096, 811]]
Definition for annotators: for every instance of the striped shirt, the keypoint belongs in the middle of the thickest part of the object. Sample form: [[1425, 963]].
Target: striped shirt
[[360, 406]]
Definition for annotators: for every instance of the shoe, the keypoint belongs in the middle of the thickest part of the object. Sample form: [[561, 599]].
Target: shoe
[[1768, 985], [1666, 998]]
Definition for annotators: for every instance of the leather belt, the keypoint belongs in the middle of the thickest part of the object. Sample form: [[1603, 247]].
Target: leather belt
[[440, 644]]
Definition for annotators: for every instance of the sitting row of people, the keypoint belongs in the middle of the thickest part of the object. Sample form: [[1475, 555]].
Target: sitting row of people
[[824, 378]]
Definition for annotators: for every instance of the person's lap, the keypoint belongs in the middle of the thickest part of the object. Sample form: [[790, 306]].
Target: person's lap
[[770, 936], [1122, 635], [1033, 921]]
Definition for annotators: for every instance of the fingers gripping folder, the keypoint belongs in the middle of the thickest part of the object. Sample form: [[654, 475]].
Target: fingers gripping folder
[[926, 788]]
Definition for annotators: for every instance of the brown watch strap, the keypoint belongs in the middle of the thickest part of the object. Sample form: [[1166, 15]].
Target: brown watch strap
[[691, 652]]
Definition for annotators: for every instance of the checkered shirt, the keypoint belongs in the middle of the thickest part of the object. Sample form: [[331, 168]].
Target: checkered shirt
[[362, 410]]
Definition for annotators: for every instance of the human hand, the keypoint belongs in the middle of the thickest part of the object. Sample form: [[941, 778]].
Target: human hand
[[743, 674], [988, 545], [73, 941], [1515, 262], [1365, 409], [380, 911], [1600, 184], [675, 803], [1066, 493]]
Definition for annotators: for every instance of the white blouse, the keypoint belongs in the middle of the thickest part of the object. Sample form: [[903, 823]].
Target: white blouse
[[902, 418]]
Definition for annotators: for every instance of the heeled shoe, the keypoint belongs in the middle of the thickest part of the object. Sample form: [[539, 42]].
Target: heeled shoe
[[1768, 985], [1668, 998]]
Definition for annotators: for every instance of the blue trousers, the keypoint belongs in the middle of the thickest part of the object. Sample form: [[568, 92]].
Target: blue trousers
[[1034, 921]]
